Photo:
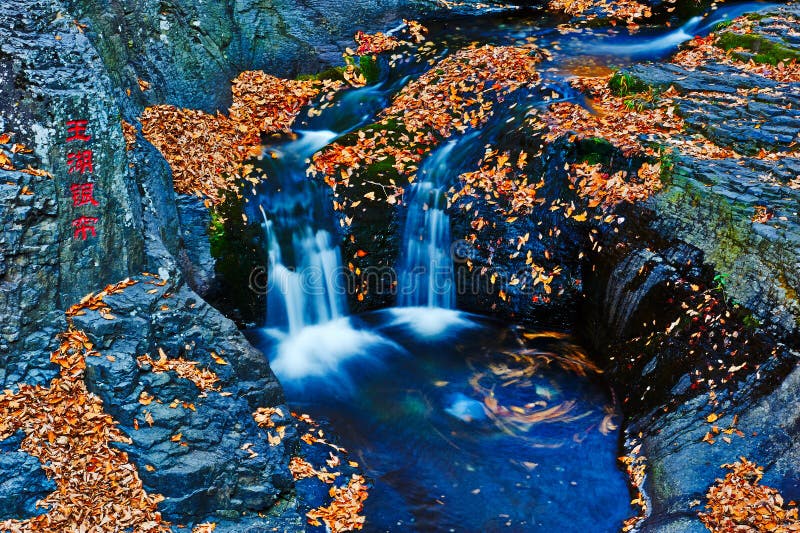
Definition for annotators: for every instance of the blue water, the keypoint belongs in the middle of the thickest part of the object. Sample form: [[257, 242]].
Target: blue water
[[398, 389], [416, 394]]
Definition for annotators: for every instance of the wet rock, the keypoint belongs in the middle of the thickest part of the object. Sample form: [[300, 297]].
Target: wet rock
[[681, 466], [24, 483], [50, 74], [193, 451], [181, 46], [194, 256], [729, 227]]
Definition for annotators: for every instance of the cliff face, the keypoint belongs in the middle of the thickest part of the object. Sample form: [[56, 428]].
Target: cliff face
[[101, 208], [51, 74], [189, 51]]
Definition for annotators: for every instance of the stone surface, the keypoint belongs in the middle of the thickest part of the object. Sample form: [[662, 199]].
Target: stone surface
[[701, 225], [212, 473], [194, 255], [51, 74], [181, 46]]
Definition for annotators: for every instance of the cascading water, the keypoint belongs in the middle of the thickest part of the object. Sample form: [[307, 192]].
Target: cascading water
[[304, 262], [425, 276], [445, 439]]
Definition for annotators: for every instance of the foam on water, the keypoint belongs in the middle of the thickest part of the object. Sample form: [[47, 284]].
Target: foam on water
[[430, 322], [321, 350]]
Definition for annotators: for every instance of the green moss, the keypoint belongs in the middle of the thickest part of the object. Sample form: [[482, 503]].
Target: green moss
[[369, 69], [722, 25], [238, 249], [390, 128], [595, 150], [623, 84], [763, 50], [333, 73], [667, 160], [216, 233], [755, 16]]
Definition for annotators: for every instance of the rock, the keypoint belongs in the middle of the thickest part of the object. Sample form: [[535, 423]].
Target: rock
[[189, 51], [51, 74], [195, 248], [206, 470], [707, 229], [24, 481]]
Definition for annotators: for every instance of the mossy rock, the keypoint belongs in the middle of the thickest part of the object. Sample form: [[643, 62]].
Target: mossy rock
[[623, 84], [763, 50], [333, 73], [239, 249]]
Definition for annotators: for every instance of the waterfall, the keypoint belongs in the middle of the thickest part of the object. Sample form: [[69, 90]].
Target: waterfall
[[304, 265], [307, 293], [425, 276]]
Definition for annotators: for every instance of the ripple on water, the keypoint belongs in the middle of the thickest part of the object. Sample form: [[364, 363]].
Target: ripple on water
[[459, 423]]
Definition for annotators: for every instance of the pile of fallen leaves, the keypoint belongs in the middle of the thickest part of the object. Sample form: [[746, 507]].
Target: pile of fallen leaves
[[302, 469], [457, 93], [625, 10], [613, 119], [608, 190], [203, 378], [343, 513], [739, 503], [98, 489], [375, 43], [501, 177], [378, 43], [632, 123], [129, 134], [206, 151]]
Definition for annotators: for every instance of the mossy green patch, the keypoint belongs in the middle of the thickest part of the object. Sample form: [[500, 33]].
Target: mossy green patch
[[389, 128], [238, 249], [333, 73], [762, 49], [721, 25], [623, 84], [595, 150]]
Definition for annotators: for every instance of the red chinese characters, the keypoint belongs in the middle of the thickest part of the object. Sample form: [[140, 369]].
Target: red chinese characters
[[81, 162], [76, 131], [82, 194], [83, 226]]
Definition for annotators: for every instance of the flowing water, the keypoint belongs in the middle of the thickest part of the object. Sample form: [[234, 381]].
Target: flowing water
[[432, 404], [443, 410]]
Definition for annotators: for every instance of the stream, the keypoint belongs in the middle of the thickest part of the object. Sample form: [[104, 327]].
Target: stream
[[460, 423]]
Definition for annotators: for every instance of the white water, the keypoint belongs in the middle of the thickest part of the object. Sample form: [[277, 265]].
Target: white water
[[321, 350], [306, 283], [425, 276], [310, 293], [655, 46], [430, 322]]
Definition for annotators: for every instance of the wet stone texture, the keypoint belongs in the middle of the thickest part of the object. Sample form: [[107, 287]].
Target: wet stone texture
[[205, 470], [704, 224]]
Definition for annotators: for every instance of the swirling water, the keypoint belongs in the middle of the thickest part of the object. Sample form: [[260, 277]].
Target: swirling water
[[417, 393]]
